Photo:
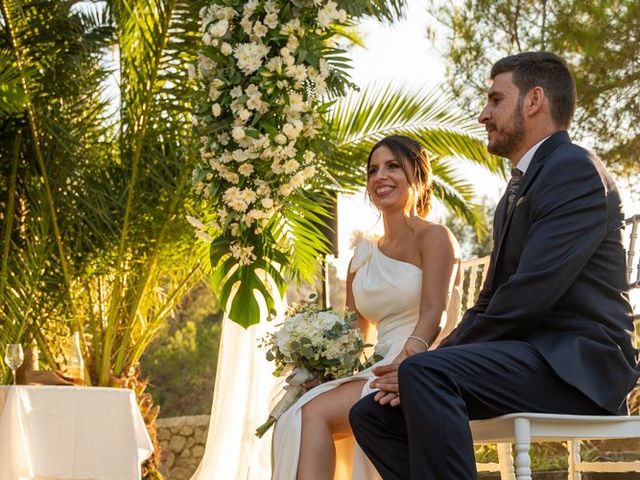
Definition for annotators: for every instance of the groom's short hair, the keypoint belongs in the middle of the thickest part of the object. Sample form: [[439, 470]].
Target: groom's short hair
[[546, 70]]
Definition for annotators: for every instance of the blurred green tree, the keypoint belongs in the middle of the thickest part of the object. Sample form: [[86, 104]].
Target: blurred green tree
[[598, 39]]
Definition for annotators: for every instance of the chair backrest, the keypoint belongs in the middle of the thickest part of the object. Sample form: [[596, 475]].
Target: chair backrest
[[633, 269], [474, 271]]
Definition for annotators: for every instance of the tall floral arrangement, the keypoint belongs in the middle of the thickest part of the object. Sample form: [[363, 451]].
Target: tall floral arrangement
[[266, 71]]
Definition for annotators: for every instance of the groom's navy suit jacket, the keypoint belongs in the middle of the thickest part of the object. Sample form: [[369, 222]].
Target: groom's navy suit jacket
[[557, 275]]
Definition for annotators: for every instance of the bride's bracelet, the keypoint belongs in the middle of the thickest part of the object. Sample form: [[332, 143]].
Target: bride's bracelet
[[426, 344]]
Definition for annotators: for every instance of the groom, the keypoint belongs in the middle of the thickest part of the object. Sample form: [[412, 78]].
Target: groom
[[551, 330]]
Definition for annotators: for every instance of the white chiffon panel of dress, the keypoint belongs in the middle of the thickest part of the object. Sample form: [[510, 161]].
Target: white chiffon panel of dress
[[387, 293], [243, 396]]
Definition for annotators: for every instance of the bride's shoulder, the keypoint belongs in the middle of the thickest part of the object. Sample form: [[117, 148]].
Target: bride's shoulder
[[431, 234]]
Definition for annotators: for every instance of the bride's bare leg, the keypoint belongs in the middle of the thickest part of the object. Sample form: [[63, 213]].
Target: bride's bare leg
[[324, 418]]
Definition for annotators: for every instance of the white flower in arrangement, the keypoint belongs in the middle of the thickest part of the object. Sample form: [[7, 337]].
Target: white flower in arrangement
[[280, 139], [226, 13], [286, 190], [246, 24], [226, 49], [297, 181], [250, 56], [238, 133], [275, 64], [205, 65], [222, 214], [271, 8], [324, 68], [259, 30], [244, 255], [216, 110], [233, 198], [292, 130], [254, 215], [309, 156], [191, 71], [287, 58], [245, 169], [240, 155], [244, 115], [262, 188], [219, 29], [228, 175], [290, 166], [290, 150], [195, 222], [267, 203], [297, 72], [276, 167], [248, 196], [206, 38], [292, 27], [214, 93], [271, 20], [308, 172], [292, 43], [204, 236], [249, 7], [234, 228]]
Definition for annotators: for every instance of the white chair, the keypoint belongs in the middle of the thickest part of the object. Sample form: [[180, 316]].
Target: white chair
[[521, 429]]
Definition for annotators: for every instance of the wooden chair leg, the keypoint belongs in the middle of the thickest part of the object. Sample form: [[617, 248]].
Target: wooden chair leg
[[573, 446], [522, 430], [506, 462]]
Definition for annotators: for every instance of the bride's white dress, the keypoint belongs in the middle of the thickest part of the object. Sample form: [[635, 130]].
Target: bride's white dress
[[387, 293]]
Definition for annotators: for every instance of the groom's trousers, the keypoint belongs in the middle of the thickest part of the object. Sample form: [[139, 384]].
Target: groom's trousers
[[428, 437]]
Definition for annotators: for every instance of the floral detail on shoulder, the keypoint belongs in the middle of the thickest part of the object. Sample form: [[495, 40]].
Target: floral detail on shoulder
[[364, 247]]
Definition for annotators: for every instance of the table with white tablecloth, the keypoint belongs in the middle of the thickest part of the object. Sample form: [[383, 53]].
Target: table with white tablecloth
[[71, 433]]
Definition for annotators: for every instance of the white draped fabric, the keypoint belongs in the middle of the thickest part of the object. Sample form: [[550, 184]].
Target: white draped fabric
[[243, 393]]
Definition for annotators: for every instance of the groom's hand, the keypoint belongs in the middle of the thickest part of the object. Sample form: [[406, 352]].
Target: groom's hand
[[387, 382]]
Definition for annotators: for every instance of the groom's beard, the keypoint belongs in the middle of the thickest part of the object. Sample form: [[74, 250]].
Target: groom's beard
[[508, 139]]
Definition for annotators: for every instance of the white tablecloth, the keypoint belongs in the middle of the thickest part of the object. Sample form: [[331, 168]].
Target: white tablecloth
[[71, 433]]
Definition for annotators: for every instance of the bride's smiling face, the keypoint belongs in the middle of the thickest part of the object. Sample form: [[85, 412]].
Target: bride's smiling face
[[387, 183]]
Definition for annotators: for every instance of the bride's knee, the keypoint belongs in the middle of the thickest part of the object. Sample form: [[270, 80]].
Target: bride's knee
[[315, 412]]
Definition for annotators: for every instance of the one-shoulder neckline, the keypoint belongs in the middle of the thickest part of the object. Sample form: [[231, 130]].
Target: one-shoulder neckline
[[395, 259]]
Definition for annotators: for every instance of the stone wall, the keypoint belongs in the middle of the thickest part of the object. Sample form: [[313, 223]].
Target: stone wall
[[182, 441]]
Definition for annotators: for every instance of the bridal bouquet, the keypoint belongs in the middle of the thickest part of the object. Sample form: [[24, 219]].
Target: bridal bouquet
[[312, 343]]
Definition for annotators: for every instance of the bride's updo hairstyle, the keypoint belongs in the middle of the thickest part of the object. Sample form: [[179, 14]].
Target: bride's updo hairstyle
[[414, 160]]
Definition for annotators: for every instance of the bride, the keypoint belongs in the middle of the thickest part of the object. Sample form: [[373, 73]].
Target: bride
[[404, 284]]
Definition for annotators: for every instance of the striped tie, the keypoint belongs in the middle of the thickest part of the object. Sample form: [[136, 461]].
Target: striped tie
[[513, 186]]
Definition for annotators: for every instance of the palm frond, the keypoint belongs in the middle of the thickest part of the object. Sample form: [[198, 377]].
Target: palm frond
[[12, 95]]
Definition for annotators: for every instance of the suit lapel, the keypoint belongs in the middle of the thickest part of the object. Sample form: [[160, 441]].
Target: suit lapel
[[503, 216]]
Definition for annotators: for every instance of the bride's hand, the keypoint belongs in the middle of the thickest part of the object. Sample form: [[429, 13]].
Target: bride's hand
[[309, 384], [387, 380]]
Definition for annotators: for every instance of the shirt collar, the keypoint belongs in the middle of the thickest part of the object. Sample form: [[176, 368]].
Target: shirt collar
[[524, 162]]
